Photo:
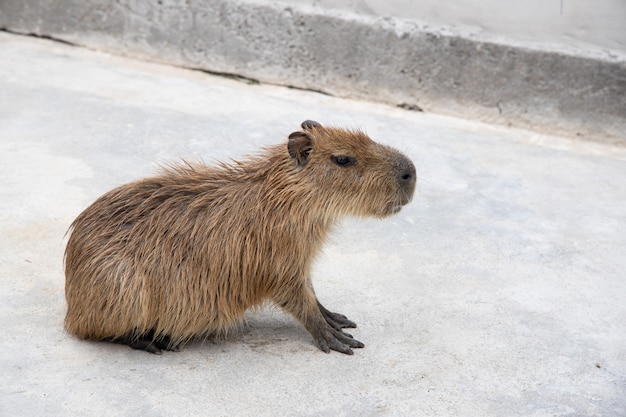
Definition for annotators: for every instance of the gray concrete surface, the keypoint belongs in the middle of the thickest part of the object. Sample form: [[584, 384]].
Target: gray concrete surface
[[498, 292], [388, 59], [574, 25]]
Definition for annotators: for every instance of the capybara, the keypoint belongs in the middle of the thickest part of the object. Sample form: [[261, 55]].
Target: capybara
[[160, 261]]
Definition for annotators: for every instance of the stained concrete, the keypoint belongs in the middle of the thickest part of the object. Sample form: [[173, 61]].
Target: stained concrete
[[402, 62], [570, 24], [498, 292]]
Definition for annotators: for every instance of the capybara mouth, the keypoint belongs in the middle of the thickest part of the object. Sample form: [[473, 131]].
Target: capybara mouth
[[396, 206], [404, 199]]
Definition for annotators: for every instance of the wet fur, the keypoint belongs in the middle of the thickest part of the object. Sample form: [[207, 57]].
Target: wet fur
[[185, 253]]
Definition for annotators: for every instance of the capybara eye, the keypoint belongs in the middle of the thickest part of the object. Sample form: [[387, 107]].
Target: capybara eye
[[343, 161]]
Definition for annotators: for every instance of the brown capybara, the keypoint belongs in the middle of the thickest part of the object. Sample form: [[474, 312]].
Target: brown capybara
[[184, 254]]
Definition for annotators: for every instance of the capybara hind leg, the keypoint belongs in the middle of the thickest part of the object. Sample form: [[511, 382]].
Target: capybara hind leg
[[147, 342], [335, 320], [165, 343]]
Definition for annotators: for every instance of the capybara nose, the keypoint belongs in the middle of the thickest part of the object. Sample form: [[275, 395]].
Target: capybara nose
[[406, 173]]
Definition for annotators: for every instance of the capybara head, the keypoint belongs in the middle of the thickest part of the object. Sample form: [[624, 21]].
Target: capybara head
[[359, 176]]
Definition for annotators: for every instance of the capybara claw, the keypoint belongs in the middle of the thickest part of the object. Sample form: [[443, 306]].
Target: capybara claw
[[338, 341], [335, 320], [147, 342], [151, 348]]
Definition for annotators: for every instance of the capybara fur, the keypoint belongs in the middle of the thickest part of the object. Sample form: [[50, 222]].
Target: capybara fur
[[159, 261]]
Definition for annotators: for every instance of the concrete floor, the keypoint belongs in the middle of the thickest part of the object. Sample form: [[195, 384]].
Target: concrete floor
[[500, 291]]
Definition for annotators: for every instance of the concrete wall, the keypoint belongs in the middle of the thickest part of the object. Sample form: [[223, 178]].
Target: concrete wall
[[340, 49], [595, 27]]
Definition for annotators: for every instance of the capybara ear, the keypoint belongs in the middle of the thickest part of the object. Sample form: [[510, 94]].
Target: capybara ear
[[299, 146], [310, 124]]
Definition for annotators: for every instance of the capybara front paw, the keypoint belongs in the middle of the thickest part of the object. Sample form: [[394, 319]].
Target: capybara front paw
[[330, 339], [335, 320]]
